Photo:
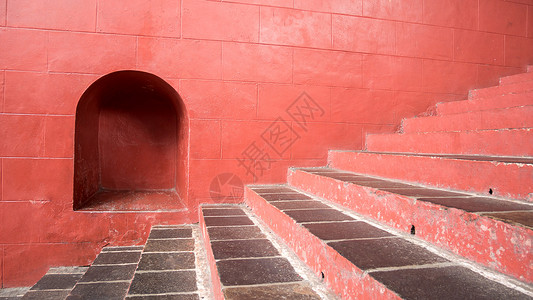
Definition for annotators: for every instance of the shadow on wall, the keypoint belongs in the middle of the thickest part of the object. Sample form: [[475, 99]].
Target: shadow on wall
[[131, 145]]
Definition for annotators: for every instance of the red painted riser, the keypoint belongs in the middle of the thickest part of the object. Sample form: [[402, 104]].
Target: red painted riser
[[516, 78], [504, 101], [345, 279], [501, 90], [505, 179], [516, 142], [497, 245], [517, 117], [215, 279]]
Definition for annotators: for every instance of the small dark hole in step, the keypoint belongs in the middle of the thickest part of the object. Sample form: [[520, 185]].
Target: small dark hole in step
[[322, 275], [490, 191], [413, 229]]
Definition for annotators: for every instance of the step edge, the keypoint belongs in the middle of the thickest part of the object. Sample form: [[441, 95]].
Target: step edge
[[503, 174], [472, 94], [453, 157], [503, 130], [419, 185], [463, 105], [518, 108], [469, 111], [516, 78], [481, 99]]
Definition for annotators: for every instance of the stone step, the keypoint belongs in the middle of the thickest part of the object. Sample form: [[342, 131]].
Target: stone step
[[514, 88], [494, 232], [504, 142], [361, 259], [508, 177], [247, 263], [168, 268], [13, 293], [110, 275], [516, 78], [507, 118], [497, 102], [57, 283]]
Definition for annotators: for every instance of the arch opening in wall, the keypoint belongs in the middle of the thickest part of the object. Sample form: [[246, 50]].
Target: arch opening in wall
[[131, 145]]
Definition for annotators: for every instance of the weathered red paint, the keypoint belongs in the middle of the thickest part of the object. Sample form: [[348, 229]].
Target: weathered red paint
[[510, 180], [513, 117], [502, 101], [511, 142], [517, 78], [495, 244], [518, 87]]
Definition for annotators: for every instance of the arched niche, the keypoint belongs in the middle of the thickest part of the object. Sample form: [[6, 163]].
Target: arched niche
[[131, 145]]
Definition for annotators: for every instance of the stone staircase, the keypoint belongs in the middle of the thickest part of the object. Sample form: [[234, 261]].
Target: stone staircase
[[441, 210], [167, 267], [248, 262]]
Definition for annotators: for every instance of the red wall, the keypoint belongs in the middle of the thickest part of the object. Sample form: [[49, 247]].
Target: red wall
[[138, 143], [240, 68]]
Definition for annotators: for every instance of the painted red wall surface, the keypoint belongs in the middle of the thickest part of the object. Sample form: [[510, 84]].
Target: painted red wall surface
[[281, 81], [145, 127]]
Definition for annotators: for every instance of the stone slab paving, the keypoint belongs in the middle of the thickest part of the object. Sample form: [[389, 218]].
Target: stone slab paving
[[252, 263], [172, 266], [109, 276]]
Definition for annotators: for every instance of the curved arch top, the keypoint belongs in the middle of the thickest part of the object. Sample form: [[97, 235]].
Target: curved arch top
[[131, 145]]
